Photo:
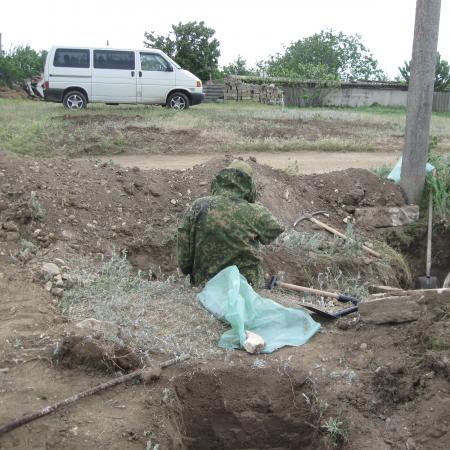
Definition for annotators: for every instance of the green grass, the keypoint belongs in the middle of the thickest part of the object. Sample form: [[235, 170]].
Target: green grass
[[382, 171], [45, 129]]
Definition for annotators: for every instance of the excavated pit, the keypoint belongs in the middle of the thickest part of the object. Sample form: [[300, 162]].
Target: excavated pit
[[235, 409], [412, 243]]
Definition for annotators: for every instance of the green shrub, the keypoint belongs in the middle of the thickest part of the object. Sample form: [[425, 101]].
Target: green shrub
[[20, 63]]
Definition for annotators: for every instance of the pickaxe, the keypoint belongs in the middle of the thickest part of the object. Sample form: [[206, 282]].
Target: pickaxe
[[310, 217]]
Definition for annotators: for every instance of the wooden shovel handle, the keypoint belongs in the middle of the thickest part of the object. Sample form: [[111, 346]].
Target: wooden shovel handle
[[294, 287], [343, 236]]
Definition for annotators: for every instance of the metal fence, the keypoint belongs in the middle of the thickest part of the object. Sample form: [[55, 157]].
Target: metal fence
[[441, 101]]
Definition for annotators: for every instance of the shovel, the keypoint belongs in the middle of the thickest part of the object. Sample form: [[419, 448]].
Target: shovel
[[428, 282], [343, 298]]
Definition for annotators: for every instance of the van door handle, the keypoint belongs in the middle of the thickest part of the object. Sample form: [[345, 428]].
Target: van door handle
[[132, 73], [140, 73]]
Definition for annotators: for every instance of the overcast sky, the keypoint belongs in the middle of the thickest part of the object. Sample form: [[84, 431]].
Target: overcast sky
[[249, 28]]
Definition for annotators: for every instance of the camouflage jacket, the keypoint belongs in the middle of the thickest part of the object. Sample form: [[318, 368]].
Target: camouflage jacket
[[226, 229]]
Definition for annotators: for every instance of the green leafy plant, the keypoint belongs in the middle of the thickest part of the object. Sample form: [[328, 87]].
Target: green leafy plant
[[327, 54], [439, 181], [442, 73], [192, 45], [337, 429], [382, 171], [20, 63]]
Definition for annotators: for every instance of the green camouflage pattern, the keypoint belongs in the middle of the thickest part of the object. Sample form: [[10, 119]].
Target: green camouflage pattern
[[226, 229]]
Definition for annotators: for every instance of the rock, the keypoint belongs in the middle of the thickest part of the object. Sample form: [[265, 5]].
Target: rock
[[390, 310], [57, 279], [12, 236], [410, 444], [253, 343], [36, 208], [59, 261], [202, 183], [402, 306], [10, 226], [173, 201], [48, 286], [383, 217], [363, 346], [57, 292], [49, 270], [286, 194], [129, 188], [67, 235], [354, 196]]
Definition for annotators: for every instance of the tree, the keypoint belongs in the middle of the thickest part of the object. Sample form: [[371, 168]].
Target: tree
[[329, 55], [237, 67], [442, 73], [20, 63], [192, 45]]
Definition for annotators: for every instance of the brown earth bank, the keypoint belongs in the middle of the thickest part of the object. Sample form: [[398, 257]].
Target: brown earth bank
[[301, 162], [358, 384]]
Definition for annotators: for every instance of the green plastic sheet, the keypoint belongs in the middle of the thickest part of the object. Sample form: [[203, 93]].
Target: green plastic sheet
[[230, 298]]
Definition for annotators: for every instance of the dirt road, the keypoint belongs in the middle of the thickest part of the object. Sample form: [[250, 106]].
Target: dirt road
[[306, 161]]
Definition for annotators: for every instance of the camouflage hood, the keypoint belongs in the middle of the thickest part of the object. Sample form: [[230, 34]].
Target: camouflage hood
[[234, 183]]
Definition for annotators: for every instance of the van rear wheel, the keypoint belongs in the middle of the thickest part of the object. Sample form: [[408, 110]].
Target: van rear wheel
[[75, 100], [178, 101]]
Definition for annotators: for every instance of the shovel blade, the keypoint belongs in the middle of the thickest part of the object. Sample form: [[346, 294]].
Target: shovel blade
[[426, 283]]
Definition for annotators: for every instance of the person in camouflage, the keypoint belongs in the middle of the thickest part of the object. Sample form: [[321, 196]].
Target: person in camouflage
[[226, 229]]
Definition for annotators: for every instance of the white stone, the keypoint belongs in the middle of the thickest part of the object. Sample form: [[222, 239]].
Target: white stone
[[49, 270], [254, 342], [57, 279]]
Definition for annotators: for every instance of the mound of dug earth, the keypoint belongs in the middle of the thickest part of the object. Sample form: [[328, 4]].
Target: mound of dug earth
[[90, 208]]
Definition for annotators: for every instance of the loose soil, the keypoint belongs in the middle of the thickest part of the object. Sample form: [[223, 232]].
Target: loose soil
[[353, 386]]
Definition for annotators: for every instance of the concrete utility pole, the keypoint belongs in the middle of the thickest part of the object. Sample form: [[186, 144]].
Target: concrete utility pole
[[420, 98]]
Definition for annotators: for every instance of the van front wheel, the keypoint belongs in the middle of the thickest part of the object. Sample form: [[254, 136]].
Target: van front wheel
[[75, 100], [178, 101]]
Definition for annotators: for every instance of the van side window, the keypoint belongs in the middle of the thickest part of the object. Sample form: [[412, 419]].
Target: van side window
[[154, 62], [112, 59], [71, 57]]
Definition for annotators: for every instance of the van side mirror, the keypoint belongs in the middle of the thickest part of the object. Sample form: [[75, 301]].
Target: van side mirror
[[169, 69]]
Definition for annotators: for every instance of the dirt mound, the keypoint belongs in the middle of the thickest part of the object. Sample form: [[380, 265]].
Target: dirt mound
[[15, 93], [94, 208]]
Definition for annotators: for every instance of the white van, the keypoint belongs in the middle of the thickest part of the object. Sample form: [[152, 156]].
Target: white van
[[82, 75]]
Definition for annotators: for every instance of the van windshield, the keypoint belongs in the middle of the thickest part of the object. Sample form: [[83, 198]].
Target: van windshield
[[172, 61]]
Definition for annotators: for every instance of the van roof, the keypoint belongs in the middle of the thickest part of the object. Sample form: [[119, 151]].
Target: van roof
[[84, 47]]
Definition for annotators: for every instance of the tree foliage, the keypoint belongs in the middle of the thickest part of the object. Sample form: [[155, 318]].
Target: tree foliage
[[442, 74], [192, 45], [20, 63], [237, 67], [326, 55]]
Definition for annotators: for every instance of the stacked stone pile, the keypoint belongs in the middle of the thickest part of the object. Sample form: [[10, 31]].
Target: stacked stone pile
[[236, 89]]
